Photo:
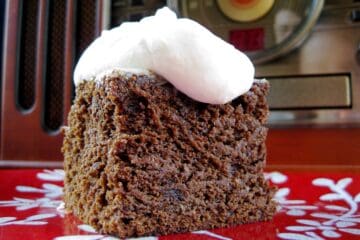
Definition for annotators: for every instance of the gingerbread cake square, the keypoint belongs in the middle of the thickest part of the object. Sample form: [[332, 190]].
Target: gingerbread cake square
[[142, 158]]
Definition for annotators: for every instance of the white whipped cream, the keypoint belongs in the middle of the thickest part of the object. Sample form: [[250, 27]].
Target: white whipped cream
[[195, 61]]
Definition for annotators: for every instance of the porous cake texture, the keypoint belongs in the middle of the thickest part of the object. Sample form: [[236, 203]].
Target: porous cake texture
[[141, 158]]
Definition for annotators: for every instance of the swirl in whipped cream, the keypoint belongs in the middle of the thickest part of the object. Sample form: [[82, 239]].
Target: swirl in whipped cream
[[190, 57]]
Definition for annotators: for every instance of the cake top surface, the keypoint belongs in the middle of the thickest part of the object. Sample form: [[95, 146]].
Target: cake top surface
[[190, 57]]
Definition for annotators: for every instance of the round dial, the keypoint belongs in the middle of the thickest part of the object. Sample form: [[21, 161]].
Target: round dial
[[245, 10], [263, 29]]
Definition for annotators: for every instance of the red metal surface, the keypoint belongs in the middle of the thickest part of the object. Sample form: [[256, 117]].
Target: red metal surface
[[248, 39], [312, 205]]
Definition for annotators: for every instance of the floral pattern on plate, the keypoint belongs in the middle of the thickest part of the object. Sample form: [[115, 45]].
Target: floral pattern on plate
[[312, 206]]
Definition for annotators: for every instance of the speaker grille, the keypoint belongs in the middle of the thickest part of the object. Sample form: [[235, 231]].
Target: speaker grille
[[26, 60], [54, 84], [43, 40]]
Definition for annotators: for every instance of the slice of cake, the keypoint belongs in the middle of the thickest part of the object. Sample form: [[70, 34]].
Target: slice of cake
[[141, 158], [147, 155]]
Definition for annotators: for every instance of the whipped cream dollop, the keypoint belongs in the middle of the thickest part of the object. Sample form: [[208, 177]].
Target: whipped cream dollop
[[190, 57]]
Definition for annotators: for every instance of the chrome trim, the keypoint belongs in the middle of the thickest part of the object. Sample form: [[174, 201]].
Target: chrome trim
[[295, 40], [106, 14]]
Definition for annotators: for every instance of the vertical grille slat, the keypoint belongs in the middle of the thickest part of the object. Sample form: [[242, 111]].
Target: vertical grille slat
[[85, 25], [54, 82], [27, 54], [85, 29]]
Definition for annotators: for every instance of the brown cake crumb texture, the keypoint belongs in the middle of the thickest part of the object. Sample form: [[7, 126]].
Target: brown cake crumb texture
[[141, 158]]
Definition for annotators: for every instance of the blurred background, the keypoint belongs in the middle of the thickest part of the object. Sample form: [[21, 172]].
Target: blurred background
[[309, 50]]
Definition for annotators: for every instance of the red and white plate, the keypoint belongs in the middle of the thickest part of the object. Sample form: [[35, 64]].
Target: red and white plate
[[312, 205]]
